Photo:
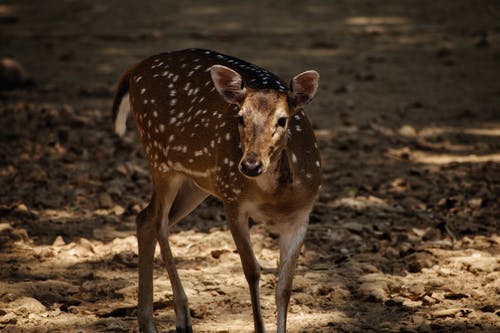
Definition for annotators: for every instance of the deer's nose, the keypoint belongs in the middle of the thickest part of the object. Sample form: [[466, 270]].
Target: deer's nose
[[251, 166]]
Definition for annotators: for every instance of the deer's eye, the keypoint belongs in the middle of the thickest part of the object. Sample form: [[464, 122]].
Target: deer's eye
[[282, 121], [241, 121]]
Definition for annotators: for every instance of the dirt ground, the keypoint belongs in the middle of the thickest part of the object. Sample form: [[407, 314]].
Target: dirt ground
[[404, 237]]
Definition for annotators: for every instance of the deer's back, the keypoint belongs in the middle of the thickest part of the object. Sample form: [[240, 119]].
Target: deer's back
[[186, 126]]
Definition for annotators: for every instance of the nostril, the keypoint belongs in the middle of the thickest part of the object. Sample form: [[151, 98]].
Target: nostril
[[243, 166], [251, 167]]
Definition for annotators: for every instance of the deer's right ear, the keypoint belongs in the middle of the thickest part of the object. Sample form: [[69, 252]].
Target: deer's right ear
[[228, 83]]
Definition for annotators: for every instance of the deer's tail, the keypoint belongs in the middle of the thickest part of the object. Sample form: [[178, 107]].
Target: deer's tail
[[121, 102]]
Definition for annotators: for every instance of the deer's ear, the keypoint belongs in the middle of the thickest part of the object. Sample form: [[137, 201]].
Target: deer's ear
[[303, 88], [229, 84]]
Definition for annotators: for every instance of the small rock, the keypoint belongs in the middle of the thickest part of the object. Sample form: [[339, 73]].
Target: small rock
[[59, 241], [218, 252], [136, 209], [475, 203], [405, 249], [303, 298], [416, 289], [395, 301], [86, 244], [427, 300], [8, 297], [368, 268], [432, 234], [445, 313], [73, 309], [200, 312], [478, 263], [353, 226], [407, 131], [122, 169], [5, 227], [27, 305], [12, 75], [447, 202], [419, 260], [105, 200], [375, 291], [413, 204], [8, 319], [21, 208], [118, 210]]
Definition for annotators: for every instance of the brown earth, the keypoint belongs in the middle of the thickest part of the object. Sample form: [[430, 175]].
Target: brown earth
[[404, 237]]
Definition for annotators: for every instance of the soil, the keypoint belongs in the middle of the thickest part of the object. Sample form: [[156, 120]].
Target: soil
[[404, 236]]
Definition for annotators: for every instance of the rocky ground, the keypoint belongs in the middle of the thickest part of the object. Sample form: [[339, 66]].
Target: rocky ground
[[404, 237]]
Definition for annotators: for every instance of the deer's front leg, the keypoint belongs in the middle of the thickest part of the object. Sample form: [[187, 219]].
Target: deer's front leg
[[291, 239], [238, 224]]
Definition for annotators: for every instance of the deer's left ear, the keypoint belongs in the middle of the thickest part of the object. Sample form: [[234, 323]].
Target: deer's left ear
[[303, 88]]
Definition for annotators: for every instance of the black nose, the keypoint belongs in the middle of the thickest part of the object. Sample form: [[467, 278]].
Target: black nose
[[251, 166]]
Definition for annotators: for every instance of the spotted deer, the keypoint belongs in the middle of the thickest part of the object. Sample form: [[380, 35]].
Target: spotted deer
[[212, 124]]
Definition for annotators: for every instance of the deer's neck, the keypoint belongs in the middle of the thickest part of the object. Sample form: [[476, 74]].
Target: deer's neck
[[282, 172]]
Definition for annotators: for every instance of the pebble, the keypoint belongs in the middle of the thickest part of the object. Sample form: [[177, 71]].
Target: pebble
[[475, 203], [303, 298], [12, 74], [375, 291], [418, 261], [118, 210], [395, 301], [105, 200], [27, 305], [59, 241], [408, 131], [477, 263], [9, 318], [445, 313]]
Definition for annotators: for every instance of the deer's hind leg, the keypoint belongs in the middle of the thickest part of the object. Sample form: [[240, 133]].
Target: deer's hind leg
[[169, 201]]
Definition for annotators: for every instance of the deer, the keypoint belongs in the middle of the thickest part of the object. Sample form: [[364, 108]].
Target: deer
[[213, 124]]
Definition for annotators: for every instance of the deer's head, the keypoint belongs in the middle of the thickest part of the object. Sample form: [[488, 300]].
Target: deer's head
[[263, 115]]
